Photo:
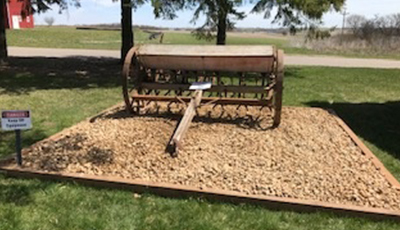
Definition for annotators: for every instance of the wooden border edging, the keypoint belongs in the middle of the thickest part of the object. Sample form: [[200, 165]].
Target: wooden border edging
[[179, 191], [378, 164]]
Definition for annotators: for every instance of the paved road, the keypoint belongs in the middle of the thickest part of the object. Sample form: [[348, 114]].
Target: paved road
[[302, 60]]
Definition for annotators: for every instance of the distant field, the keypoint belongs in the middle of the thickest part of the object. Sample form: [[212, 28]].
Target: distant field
[[69, 37]]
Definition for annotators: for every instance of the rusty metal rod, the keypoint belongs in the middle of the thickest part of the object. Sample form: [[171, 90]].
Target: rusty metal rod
[[214, 100], [214, 88]]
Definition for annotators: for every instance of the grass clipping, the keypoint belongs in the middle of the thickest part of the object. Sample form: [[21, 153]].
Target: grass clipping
[[308, 157]]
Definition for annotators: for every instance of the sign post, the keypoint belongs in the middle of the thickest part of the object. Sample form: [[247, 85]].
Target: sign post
[[18, 146], [16, 120]]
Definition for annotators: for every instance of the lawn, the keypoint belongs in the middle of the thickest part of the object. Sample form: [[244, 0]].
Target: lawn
[[61, 92], [69, 37]]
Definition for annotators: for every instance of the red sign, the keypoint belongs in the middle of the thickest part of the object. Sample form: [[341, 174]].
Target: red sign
[[16, 120], [16, 114]]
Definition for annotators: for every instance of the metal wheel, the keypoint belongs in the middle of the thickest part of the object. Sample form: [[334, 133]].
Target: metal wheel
[[130, 78]]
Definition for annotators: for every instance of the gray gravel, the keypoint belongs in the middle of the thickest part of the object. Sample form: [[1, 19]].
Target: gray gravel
[[308, 157]]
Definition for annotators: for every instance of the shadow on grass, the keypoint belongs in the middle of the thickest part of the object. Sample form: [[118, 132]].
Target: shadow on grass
[[377, 123], [19, 192], [22, 75], [7, 145], [294, 72]]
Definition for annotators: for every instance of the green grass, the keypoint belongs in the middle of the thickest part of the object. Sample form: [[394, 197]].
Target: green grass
[[61, 92], [69, 37], [342, 52]]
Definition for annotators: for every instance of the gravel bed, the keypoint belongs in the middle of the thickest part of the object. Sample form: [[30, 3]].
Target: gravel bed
[[308, 157]]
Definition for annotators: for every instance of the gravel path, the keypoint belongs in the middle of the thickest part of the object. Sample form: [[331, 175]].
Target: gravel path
[[308, 157], [302, 60]]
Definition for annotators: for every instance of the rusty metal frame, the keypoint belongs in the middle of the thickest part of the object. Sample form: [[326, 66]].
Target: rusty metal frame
[[273, 91], [205, 100], [179, 191]]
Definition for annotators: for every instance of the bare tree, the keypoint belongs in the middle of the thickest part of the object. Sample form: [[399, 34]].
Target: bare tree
[[394, 23], [377, 28], [49, 20], [355, 22]]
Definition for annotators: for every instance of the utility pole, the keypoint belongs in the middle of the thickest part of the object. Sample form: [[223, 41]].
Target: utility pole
[[344, 13]]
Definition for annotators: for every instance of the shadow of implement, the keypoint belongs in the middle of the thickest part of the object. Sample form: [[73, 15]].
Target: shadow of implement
[[377, 123], [245, 122]]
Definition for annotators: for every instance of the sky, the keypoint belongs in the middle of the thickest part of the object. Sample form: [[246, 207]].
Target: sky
[[107, 11]]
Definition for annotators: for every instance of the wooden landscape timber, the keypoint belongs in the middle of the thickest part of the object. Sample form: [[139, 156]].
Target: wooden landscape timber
[[178, 191], [165, 73], [176, 141]]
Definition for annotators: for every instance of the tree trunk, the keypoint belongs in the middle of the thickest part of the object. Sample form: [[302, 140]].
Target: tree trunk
[[3, 40], [126, 26], [221, 33]]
